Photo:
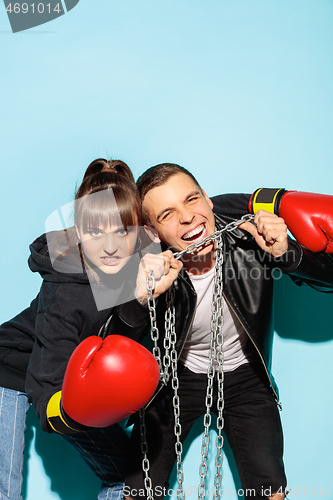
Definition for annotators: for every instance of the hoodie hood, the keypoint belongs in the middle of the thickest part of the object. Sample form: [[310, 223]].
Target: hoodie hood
[[54, 256]]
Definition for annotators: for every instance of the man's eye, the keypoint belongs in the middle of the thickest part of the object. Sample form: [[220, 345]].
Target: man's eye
[[167, 216]]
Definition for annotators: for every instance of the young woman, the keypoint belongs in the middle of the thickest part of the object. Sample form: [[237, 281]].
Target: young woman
[[91, 278]]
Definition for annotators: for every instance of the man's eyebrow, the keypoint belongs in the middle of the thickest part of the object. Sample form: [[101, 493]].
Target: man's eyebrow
[[193, 193]]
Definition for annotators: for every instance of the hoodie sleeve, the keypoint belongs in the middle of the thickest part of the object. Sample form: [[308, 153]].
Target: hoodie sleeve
[[57, 335], [67, 315]]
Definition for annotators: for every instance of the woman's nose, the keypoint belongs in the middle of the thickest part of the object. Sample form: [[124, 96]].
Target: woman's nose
[[109, 243]]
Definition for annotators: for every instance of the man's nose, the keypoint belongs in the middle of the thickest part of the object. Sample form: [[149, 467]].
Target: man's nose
[[186, 216]]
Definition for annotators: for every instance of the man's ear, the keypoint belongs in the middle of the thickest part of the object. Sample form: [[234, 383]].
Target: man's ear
[[209, 201], [152, 233]]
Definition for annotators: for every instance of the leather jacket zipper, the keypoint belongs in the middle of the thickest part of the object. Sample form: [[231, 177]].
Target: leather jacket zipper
[[260, 355], [279, 405]]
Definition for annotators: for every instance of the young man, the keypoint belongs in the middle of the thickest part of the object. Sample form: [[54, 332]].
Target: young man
[[179, 213]]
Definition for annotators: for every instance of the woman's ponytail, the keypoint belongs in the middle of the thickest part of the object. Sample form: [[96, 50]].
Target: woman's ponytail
[[101, 166]]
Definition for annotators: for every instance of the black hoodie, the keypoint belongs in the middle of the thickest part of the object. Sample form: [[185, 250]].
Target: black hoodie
[[62, 315]]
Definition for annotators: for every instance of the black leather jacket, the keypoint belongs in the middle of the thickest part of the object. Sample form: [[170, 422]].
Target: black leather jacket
[[248, 277]]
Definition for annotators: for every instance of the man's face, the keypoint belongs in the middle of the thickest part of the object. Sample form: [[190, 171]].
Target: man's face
[[180, 213]]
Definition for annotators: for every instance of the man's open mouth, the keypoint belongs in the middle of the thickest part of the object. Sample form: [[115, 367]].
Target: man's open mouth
[[194, 235]]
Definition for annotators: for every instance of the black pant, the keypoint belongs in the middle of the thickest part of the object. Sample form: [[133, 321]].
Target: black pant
[[251, 424]]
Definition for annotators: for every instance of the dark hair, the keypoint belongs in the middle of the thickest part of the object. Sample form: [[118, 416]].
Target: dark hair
[[156, 176], [114, 181], [116, 194]]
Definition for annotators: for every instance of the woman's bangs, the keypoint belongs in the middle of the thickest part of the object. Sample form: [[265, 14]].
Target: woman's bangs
[[100, 210], [129, 210]]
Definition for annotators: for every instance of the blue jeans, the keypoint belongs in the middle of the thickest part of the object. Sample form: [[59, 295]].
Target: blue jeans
[[105, 452], [13, 409]]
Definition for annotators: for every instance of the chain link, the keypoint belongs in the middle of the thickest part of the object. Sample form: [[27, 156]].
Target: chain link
[[216, 359]]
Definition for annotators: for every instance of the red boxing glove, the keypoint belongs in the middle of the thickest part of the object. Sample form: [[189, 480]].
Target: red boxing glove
[[309, 216], [108, 380]]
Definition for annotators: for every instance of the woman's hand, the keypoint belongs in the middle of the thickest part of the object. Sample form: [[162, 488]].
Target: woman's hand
[[165, 268]]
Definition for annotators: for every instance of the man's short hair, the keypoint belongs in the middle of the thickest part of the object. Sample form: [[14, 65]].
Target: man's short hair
[[156, 176]]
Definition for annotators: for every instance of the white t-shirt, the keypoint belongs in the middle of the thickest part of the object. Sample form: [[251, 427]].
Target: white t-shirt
[[195, 355]]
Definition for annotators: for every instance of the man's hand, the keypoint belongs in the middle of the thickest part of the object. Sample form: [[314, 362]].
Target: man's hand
[[309, 216], [269, 232], [165, 268]]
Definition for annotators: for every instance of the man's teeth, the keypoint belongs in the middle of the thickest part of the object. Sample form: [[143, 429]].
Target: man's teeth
[[196, 231]]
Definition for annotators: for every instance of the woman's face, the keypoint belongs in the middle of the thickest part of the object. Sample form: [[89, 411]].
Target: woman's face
[[108, 248]]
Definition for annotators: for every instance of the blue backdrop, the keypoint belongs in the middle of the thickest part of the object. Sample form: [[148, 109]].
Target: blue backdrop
[[239, 92]]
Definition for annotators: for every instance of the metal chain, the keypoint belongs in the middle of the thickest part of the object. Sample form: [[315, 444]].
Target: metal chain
[[168, 322], [170, 358], [215, 355], [154, 332], [217, 323], [209, 239], [145, 461], [171, 314]]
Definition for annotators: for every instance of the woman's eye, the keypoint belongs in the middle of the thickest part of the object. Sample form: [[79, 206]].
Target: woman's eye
[[95, 233], [122, 232]]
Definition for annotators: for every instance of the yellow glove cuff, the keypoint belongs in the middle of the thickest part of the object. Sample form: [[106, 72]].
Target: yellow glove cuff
[[56, 416], [267, 199]]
